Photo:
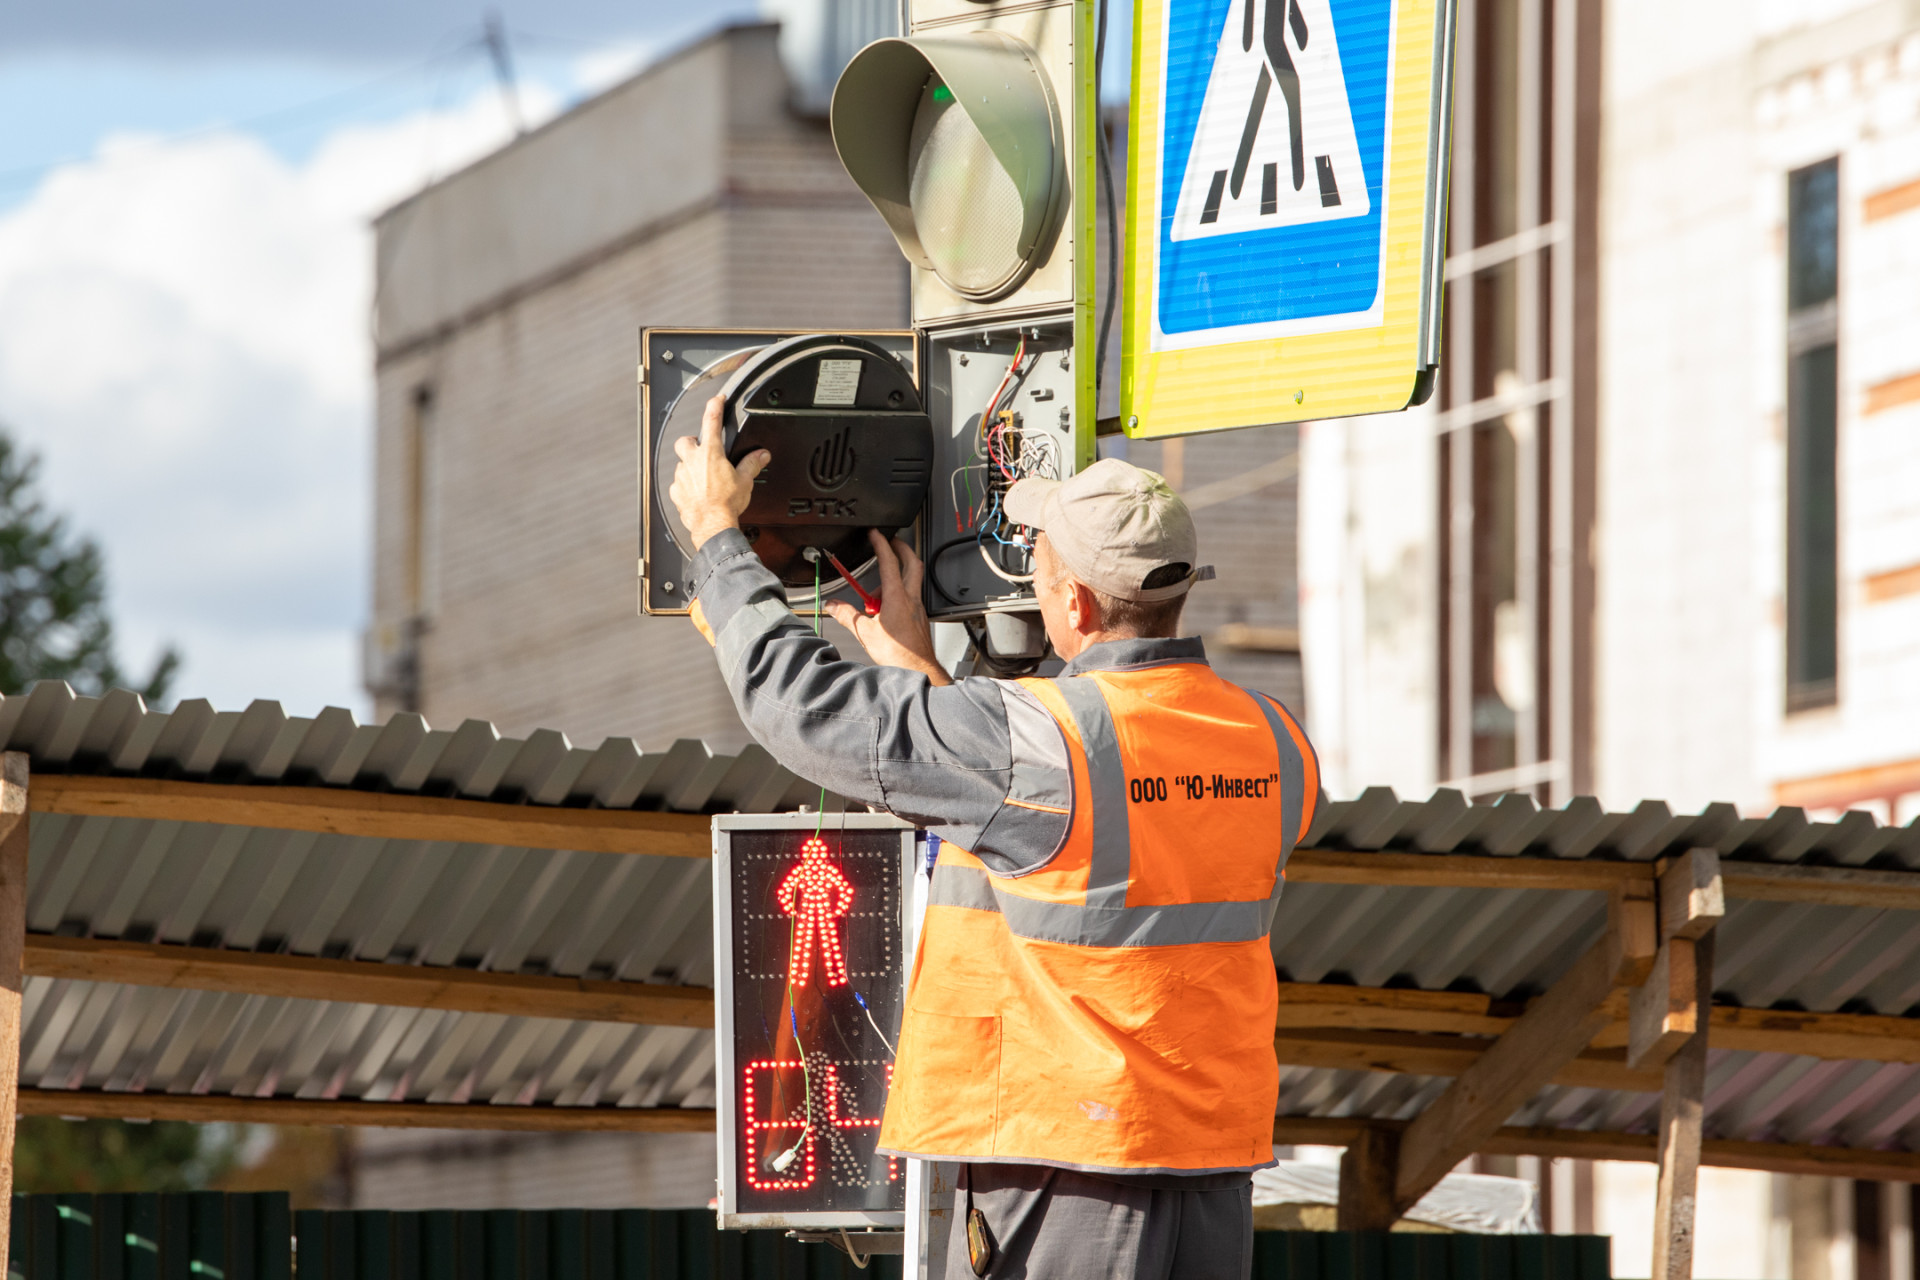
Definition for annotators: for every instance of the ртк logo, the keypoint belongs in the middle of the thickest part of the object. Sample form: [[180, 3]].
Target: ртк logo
[[832, 461]]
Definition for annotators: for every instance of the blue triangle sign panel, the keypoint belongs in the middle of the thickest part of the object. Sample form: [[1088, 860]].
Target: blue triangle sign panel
[[1275, 144], [1273, 153]]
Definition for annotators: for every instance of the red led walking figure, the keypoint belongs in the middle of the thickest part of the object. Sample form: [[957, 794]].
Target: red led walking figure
[[815, 894]]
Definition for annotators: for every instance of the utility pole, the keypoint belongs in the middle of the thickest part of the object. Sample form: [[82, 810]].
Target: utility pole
[[494, 36]]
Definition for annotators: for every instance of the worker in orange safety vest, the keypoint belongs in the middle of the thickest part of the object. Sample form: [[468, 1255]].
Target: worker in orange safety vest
[[1088, 1028]]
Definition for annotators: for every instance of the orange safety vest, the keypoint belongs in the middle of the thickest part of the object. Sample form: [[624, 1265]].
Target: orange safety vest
[[1113, 1009]]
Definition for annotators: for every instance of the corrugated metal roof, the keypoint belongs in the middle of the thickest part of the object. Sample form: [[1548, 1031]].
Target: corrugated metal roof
[[117, 734], [647, 919]]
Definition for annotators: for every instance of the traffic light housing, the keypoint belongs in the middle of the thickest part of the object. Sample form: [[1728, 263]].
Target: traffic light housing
[[973, 135], [956, 138]]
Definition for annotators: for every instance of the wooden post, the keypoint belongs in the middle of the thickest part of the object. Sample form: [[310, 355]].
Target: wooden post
[[1681, 1106], [1548, 1036], [1368, 1169], [13, 938]]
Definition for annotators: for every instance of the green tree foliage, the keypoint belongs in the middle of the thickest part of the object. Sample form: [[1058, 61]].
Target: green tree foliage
[[53, 618], [54, 626], [51, 1154]]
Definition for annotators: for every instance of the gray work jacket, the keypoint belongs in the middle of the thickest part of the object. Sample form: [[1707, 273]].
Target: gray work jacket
[[947, 758]]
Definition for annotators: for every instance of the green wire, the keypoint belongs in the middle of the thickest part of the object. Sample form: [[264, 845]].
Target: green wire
[[820, 810]]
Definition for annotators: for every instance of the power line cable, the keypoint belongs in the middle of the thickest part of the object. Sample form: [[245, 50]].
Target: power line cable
[[265, 123]]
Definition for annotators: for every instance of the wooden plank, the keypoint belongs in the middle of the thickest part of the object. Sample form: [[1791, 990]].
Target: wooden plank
[[1462, 871], [1575, 1144], [1546, 1039], [1823, 886], [14, 834], [1682, 1110], [339, 811], [1662, 1014], [1420, 1054], [202, 1108], [148, 964]]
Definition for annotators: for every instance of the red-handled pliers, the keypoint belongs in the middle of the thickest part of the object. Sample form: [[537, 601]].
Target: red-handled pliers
[[873, 605]]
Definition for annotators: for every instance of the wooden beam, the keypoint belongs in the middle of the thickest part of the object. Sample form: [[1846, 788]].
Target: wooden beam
[[340, 811], [1313, 1004], [1306, 1006], [203, 1108], [1861, 1037], [1663, 1014], [1823, 886], [1420, 1054], [1682, 1110], [14, 835], [149, 964], [1547, 1038], [1366, 1180], [1463, 871], [1578, 1144], [1664, 1011], [343, 811], [1692, 894]]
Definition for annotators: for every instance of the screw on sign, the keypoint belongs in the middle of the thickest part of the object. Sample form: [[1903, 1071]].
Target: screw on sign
[[817, 894]]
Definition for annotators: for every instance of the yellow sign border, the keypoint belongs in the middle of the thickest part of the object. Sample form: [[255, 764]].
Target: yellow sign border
[[1290, 379]]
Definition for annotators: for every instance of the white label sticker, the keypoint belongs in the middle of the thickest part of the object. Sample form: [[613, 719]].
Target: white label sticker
[[839, 383]]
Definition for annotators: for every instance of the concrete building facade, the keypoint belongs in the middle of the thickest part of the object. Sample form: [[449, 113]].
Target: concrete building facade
[[1658, 536], [1744, 508]]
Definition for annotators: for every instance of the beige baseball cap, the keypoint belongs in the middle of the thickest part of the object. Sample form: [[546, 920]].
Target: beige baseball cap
[[1120, 529]]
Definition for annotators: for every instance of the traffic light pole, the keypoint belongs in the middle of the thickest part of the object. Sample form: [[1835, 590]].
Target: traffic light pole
[[930, 1183]]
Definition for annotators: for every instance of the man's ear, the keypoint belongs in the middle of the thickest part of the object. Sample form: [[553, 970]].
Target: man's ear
[[1087, 606]]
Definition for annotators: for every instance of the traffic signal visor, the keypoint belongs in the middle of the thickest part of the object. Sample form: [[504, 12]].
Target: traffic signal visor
[[957, 141]]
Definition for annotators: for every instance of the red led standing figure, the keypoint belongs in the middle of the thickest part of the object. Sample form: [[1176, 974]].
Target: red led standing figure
[[816, 894]]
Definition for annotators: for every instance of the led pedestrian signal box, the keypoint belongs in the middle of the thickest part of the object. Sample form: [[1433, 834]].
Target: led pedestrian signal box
[[810, 957]]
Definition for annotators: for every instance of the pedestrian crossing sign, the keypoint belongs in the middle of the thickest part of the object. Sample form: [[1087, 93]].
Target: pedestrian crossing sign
[[1286, 185]]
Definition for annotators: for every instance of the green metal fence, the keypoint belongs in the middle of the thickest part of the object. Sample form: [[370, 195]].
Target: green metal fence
[[1378, 1255], [218, 1236], [194, 1236]]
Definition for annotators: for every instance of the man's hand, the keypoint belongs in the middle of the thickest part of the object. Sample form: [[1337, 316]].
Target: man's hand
[[707, 490], [900, 636]]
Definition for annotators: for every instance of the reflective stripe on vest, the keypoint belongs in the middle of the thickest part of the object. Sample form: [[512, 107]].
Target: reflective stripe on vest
[[1105, 920]]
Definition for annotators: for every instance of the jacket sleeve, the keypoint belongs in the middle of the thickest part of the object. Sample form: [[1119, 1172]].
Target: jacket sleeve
[[979, 762]]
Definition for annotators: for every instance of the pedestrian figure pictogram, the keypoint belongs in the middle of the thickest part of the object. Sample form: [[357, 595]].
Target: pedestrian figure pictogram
[[1262, 158], [817, 894]]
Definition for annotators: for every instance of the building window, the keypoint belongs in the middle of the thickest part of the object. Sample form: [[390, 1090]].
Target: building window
[[1515, 400], [1813, 355]]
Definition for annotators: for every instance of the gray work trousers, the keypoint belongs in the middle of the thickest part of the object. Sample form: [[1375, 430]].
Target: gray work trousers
[[1055, 1224]]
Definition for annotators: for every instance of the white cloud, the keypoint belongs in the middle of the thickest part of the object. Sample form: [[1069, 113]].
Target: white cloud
[[184, 340], [600, 70]]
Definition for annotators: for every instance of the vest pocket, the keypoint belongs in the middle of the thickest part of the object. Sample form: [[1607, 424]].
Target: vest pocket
[[953, 1096]]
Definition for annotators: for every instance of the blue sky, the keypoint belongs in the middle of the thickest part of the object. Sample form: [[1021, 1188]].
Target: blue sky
[[185, 282]]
